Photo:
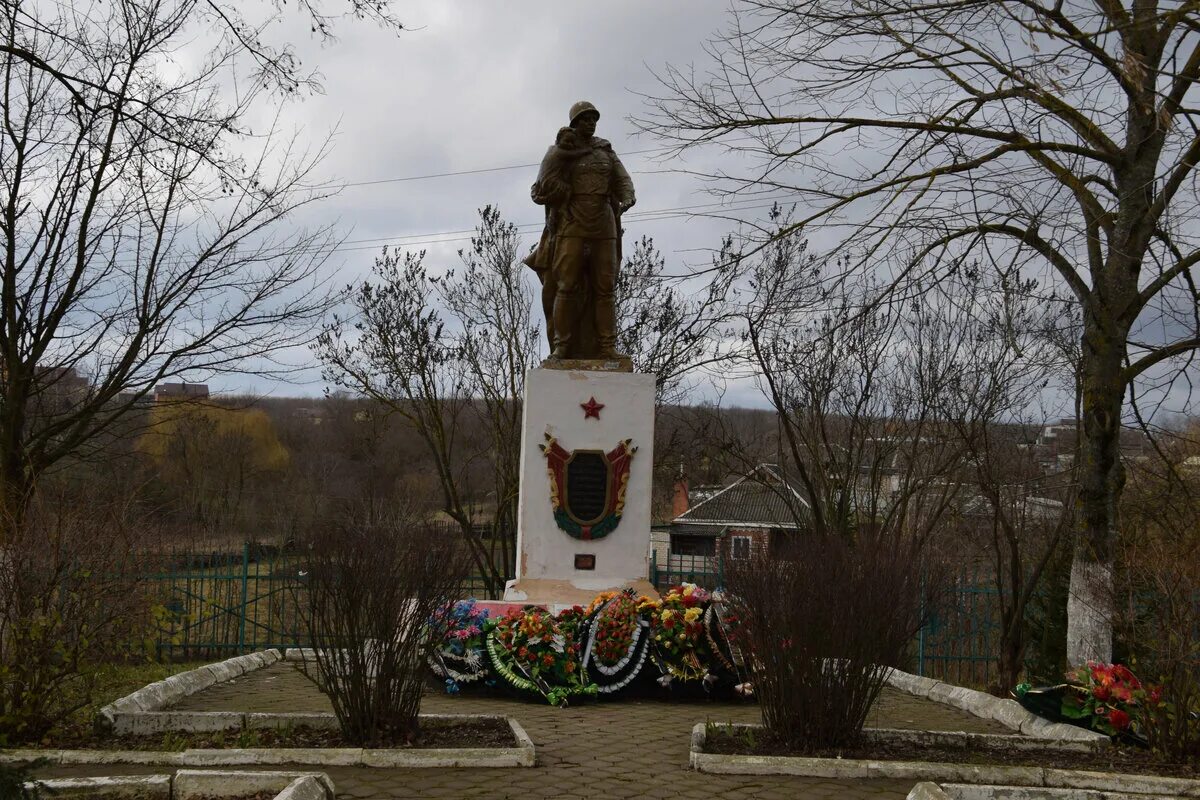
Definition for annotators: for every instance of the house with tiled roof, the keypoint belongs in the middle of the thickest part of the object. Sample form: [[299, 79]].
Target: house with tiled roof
[[751, 513]]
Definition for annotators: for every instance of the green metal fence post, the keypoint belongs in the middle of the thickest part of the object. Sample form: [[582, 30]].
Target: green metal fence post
[[245, 608], [654, 568]]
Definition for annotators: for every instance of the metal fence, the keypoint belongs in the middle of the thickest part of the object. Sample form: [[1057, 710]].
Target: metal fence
[[706, 571], [218, 604], [960, 644]]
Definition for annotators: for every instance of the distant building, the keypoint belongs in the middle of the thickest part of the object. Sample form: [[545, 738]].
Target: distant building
[[313, 415], [60, 389], [749, 514], [132, 398], [179, 392], [1055, 446]]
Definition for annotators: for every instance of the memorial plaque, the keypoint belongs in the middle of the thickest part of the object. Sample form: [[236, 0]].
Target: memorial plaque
[[585, 561], [587, 486]]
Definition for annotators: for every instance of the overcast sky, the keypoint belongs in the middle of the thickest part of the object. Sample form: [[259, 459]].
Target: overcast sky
[[480, 86]]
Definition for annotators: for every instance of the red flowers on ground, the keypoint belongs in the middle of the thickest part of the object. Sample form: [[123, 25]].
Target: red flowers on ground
[[1109, 697]]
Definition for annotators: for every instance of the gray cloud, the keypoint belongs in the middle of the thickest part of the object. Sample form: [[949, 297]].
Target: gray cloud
[[480, 85]]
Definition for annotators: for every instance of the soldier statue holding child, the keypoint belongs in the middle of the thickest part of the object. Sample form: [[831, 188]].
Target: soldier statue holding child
[[585, 189]]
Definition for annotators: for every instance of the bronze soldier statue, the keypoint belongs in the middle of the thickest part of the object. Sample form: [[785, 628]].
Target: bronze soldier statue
[[585, 188]]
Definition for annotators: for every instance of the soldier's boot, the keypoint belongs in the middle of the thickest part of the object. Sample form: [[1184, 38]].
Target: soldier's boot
[[606, 331], [564, 324]]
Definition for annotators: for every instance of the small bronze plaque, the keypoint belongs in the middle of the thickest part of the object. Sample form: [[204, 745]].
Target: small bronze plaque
[[585, 561]]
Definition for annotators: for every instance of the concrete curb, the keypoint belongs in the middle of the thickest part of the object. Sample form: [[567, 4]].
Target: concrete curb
[[306, 788], [961, 791], [125, 715], [1122, 785], [1007, 712], [972, 741], [523, 754], [192, 784], [128, 787]]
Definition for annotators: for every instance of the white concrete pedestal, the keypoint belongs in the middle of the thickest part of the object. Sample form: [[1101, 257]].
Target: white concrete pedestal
[[546, 555]]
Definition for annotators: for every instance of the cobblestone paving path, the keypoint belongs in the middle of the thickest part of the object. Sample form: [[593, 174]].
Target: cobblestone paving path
[[618, 751]]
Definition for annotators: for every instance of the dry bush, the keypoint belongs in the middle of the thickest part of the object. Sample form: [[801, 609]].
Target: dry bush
[[1158, 611], [822, 621], [70, 599], [369, 599]]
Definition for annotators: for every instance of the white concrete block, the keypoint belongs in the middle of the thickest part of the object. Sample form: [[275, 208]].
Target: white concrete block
[[306, 788], [150, 722], [927, 791], [553, 407], [127, 787], [311, 719], [192, 784]]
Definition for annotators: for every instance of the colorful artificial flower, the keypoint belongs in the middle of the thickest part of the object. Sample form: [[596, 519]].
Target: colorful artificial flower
[[458, 655], [535, 651], [1107, 697]]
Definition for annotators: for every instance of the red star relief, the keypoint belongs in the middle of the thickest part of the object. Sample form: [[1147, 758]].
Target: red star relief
[[591, 408]]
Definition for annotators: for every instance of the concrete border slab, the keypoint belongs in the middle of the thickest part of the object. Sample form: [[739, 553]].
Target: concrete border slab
[[125, 787], [155, 697], [1018, 776], [1007, 712], [522, 754], [192, 784], [962, 791]]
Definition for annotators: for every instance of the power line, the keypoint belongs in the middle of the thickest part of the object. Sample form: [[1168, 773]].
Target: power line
[[466, 234], [632, 216], [482, 170]]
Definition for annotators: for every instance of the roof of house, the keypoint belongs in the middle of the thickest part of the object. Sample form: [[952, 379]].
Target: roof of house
[[763, 497]]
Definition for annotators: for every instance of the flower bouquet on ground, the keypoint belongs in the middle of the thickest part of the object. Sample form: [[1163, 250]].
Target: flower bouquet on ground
[[459, 658], [680, 646], [617, 641], [1107, 698], [1103, 697], [533, 651]]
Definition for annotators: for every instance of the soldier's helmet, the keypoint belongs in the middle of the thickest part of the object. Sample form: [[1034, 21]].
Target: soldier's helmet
[[581, 107]]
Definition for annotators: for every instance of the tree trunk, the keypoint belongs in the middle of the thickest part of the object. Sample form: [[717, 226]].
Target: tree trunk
[[1012, 650], [1101, 478]]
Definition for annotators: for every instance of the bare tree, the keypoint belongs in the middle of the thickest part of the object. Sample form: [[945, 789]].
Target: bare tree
[[1013, 515], [857, 390], [448, 354], [669, 331], [139, 237], [373, 603], [1060, 136]]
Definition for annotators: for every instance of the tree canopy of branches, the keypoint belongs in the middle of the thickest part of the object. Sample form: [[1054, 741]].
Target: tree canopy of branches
[[445, 352], [668, 331], [138, 231], [1056, 139], [449, 353]]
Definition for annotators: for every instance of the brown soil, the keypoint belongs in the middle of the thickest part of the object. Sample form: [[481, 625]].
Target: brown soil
[[1115, 759], [485, 733]]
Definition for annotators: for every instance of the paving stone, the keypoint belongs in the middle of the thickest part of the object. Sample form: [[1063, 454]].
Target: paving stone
[[624, 749]]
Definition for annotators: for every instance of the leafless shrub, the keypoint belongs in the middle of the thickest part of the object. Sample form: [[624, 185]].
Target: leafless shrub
[[371, 593], [70, 599], [1159, 606], [822, 621]]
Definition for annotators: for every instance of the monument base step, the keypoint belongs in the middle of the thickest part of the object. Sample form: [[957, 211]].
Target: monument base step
[[556, 595], [621, 363]]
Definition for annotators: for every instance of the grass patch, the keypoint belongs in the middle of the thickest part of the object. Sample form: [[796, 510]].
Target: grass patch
[[112, 682]]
